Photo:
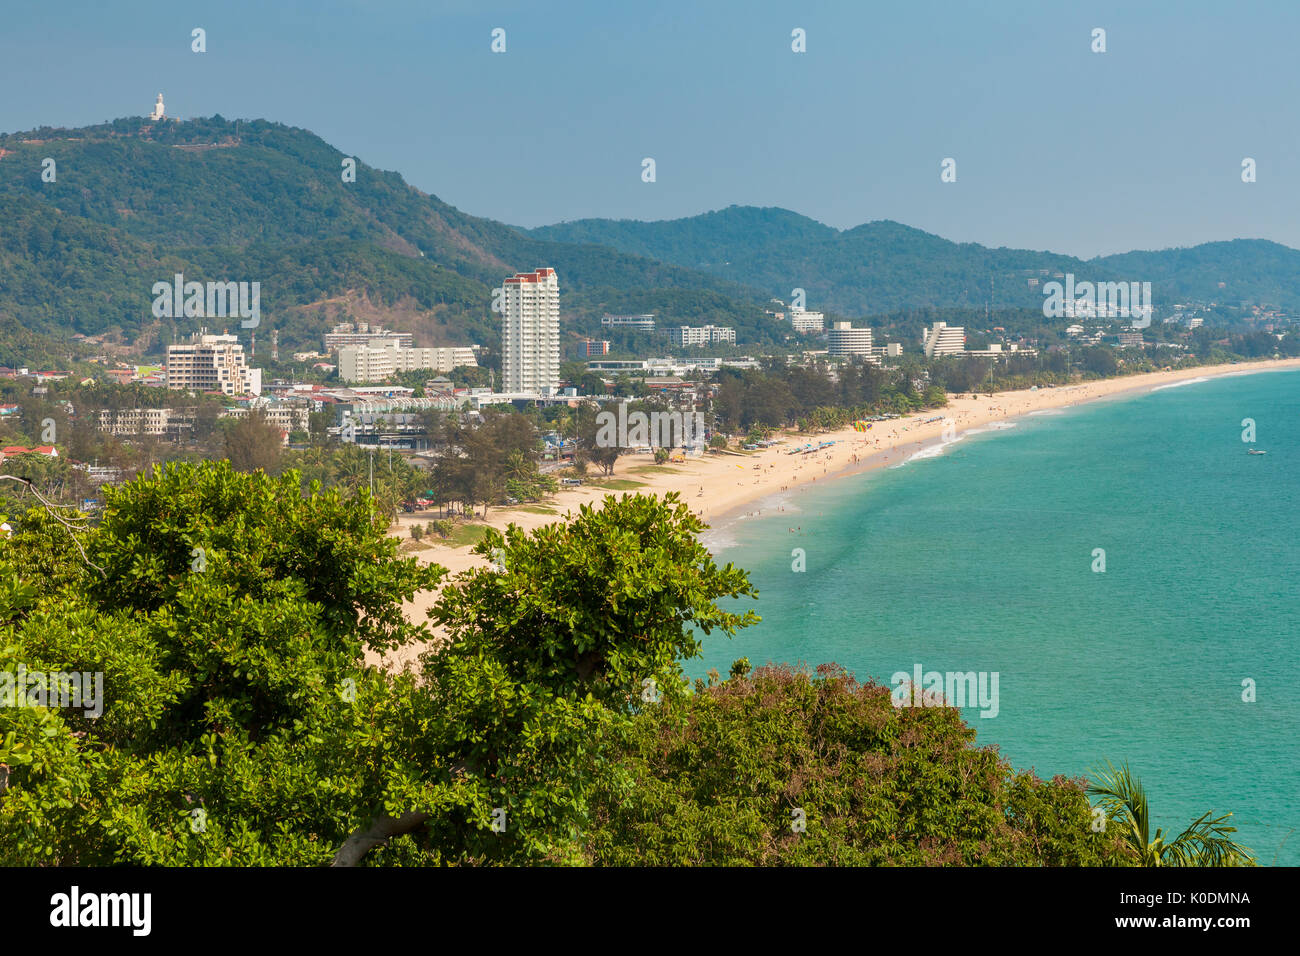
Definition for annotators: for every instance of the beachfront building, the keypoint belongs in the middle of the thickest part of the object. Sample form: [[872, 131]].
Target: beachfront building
[[803, 321], [995, 350], [943, 339], [530, 333], [843, 339], [212, 363], [363, 363], [686, 335]]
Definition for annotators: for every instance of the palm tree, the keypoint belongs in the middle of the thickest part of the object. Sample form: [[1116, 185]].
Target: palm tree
[[1204, 843]]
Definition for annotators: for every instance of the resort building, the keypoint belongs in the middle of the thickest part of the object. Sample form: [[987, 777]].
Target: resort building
[[943, 339], [363, 334], [844, 339], [286, 416], [802, 321], [638, 323], [362, 363], [530, 333], [212, 363], [686, 335], [170, 423]]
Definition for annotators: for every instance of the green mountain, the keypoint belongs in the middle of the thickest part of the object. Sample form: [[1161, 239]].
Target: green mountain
[[885, 266], [132, 203]]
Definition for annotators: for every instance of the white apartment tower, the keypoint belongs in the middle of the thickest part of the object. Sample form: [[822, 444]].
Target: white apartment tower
[[943, 339], [530, 332]]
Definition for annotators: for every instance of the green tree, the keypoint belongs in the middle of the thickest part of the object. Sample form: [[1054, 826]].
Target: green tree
[[253, 444], [610, 603], [781, 767], [229, 616]]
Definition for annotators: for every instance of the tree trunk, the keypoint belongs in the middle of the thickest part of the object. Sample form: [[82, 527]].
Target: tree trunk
[[381, 829]]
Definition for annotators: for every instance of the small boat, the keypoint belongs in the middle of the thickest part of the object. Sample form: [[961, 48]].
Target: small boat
[[1255, 451]]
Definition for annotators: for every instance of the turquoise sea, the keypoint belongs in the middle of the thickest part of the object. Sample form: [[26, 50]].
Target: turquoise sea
[[979, 556]]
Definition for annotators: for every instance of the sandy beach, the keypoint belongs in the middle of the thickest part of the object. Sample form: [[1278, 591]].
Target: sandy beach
[[720, 486]]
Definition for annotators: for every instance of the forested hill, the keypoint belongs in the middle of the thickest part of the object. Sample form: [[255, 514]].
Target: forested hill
[[883, 266], [134, 202]]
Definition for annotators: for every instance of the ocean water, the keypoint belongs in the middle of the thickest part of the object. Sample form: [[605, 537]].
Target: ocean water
[[979, 556]]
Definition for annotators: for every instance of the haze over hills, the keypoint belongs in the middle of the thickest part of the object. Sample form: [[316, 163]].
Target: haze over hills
[[882, 266]]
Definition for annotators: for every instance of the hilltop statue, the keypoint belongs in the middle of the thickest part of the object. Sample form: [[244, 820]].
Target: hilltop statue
[[157, 113]]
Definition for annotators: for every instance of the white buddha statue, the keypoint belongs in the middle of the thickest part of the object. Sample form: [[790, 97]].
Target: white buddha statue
[[157, 113]]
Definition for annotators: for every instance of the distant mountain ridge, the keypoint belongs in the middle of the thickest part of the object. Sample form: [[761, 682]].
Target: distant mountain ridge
[[884, 265], [134, 202]]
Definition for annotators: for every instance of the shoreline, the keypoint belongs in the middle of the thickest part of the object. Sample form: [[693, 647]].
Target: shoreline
[[723, 489]]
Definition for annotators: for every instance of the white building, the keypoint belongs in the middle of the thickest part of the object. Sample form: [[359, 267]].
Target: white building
[[844, 339], [364, 363], [212, 363], [363, 334], [685, 335], [169, 422], [803, 321], [943, 339], [286, 416], [530, 333], [638, 323]]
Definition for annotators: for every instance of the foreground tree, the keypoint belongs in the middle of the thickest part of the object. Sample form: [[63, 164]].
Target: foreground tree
[[551, 651], [230, 617]]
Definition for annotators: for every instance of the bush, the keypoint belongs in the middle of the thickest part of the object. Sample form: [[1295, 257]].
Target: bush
[[720, 777]]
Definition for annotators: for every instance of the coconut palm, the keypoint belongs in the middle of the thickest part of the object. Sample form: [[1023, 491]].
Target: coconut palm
[[1204, 843]]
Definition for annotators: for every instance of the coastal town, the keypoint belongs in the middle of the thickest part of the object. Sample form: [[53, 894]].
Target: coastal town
[[374, 389]]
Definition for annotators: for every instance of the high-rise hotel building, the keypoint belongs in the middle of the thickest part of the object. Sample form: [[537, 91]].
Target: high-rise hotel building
[[212, 363], [943, 339], [844, 339], [530, 332]]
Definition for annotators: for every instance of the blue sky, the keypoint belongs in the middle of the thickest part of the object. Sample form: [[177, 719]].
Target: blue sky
[[1056, 147]]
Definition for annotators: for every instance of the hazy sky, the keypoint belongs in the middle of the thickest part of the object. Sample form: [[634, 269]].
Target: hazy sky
[[1057, 147]]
